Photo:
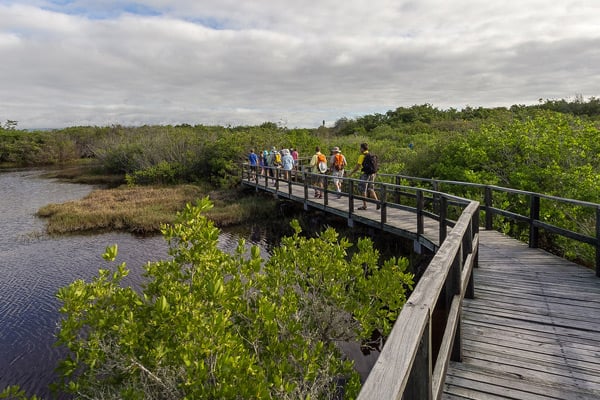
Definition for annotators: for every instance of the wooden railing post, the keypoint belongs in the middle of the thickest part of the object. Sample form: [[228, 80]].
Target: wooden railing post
[[383, 200], [305, 184], [468, 249], [420, 379], [598, 241], [420, 221], [351, 199], [436, 199], [443, 212], [534, 215], [454, 288], [489, 218]]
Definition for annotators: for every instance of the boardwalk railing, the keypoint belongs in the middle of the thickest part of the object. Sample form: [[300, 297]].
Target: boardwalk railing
[[426, 335], [414, 360], [424, 204], [540, 209], [503, 208]]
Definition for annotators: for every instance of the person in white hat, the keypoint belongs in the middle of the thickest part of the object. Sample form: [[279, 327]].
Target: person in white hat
[[337, 161]]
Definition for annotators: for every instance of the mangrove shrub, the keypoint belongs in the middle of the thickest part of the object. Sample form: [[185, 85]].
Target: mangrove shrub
[[208, 324]]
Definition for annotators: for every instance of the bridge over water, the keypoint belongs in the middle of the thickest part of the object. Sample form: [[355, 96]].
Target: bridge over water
[[492, 317]]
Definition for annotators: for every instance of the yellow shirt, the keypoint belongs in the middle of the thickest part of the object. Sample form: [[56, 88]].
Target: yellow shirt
[[361, 158]]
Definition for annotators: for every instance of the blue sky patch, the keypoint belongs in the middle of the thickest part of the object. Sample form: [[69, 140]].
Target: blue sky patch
[[100, 10]]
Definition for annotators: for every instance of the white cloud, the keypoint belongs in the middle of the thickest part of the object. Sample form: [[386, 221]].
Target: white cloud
[[232, 62]]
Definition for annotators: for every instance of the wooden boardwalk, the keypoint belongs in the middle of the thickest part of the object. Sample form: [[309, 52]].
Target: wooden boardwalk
[[533, 329]]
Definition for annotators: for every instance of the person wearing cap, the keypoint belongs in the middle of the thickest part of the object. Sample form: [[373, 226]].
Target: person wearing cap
[[337, 161]]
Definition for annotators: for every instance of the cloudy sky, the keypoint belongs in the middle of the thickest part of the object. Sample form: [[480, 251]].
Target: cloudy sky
[[293, 62]]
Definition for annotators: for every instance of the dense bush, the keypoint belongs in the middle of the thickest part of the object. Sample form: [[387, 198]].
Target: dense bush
[[213, 325]]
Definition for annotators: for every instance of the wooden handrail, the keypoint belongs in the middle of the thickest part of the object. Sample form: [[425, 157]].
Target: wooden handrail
[[533, 219], [407, 367], [415, 358], [416, 354]]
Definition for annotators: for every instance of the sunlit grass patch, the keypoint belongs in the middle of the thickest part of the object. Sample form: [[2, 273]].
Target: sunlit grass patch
[[133, 209], [143, 209]]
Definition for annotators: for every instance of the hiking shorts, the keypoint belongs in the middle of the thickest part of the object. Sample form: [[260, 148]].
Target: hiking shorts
[[366, 183], [337, 176]]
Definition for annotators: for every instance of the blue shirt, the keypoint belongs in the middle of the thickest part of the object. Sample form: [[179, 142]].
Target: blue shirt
[[287, 162], [253, 158]]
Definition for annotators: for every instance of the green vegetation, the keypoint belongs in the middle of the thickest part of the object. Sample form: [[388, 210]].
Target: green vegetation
[[144, 209], [138, 209], [216, 326], [213, 325], [550, 148]]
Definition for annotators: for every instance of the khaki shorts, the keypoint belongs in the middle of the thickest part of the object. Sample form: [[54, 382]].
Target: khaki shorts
[[366, 183]]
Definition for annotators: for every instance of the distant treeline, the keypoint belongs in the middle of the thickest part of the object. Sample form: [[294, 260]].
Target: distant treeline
[[485, 144], [552, 148]]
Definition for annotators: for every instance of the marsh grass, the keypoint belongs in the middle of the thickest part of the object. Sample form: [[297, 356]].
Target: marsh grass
[[133, 209], [143, 209], [231, 207]]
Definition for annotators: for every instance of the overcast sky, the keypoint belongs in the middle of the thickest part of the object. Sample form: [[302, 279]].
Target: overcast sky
[[292, 62]]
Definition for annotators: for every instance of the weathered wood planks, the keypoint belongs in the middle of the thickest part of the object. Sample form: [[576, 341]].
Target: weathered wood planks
[[533, 329]]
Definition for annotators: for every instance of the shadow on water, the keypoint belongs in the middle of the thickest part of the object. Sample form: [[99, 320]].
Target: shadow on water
[[35, 265]]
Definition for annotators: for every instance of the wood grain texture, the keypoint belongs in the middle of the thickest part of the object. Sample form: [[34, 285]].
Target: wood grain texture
[[531, 332], [533, 329]]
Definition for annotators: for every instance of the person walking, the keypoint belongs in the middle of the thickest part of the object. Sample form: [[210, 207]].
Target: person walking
[[318, 165], [253, 160], [287, 164], [368, 169], [338, 163]]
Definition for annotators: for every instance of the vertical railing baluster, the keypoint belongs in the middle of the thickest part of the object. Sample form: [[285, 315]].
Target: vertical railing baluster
[[420, 221], [383, 200], [443, 213], [420, 379], [534, 215], [598, 241], [489, 217]]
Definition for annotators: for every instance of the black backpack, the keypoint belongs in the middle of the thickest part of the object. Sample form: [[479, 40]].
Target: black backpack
[[369, 165]]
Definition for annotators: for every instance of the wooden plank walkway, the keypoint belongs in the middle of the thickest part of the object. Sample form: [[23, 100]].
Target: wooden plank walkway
[[400, 222], [533, 329]]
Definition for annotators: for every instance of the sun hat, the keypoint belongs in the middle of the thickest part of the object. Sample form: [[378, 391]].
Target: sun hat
[[336, 150]]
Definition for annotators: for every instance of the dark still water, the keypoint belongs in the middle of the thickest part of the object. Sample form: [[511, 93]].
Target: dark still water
[[33, 266]]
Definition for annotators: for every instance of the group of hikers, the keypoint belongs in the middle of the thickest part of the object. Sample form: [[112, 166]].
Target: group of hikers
[[287, 160], [266, 161]]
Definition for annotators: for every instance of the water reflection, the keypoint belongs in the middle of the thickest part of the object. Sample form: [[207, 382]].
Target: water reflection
[[33, 266]]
